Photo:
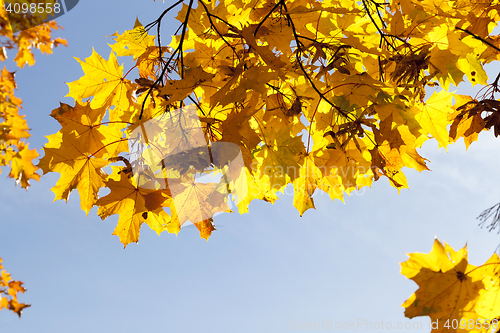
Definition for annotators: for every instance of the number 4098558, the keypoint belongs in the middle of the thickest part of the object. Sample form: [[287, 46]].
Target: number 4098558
[[32, 8]]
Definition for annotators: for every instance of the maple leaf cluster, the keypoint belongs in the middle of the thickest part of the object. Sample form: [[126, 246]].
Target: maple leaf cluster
[[14, 151], [457, 296], [325, 95], [8, 292]]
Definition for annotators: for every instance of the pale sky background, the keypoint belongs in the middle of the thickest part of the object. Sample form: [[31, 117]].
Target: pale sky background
[[260, 272]]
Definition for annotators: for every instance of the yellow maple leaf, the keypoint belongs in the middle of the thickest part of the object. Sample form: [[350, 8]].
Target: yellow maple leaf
[[433, 116], [78, 169], [305, 184], [279, 155], [196, 202], [94, 137], [135, 206], [104, 82], [451, 291], [22, 168], [247, 187], [133, 42], [487, 305]]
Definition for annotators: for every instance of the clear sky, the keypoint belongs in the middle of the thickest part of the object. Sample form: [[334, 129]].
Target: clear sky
[[267, 271]]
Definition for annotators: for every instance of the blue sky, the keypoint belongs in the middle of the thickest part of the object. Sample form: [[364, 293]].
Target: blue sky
[[266, 271]]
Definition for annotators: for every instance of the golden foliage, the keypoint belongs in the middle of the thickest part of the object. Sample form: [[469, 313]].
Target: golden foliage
[[325, 95], [14, 151], [8, 292]]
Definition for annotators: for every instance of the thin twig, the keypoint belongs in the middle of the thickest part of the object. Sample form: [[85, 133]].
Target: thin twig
[[494, 212], [478, 38], [216, 30], [382, 35], [297, 55], [177, 51]]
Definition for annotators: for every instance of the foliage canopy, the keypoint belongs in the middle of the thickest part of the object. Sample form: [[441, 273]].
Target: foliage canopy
[[324, 95]]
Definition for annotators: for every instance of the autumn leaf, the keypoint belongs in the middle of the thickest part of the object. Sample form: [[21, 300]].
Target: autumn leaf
[[278, 156], [133, 42], [451, 289], [22, 167], [196, 201], [87, 125], [305, 185], [467, 120], [129, 201], [433, 116], [247, 186], [178, 90], [78, 168], [104, 81]]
